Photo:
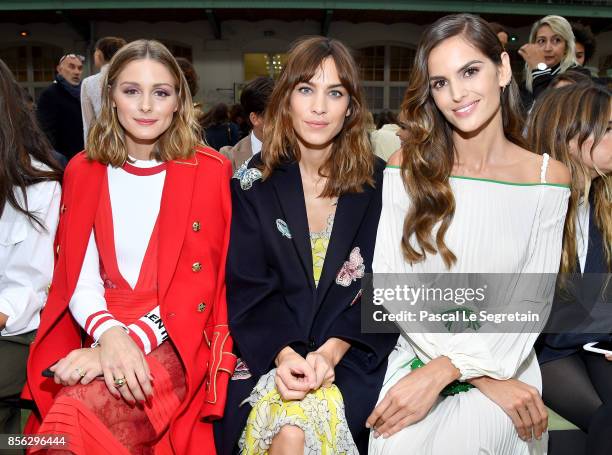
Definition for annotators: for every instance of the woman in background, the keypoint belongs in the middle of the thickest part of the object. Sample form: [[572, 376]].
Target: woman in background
[[578, 383], [551, 51]]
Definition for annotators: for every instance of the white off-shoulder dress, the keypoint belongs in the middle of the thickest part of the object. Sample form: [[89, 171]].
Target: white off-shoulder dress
[[498, 227]]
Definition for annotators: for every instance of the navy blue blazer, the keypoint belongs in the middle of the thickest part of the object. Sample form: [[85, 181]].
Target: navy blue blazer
[[587, 292], [273, 301]]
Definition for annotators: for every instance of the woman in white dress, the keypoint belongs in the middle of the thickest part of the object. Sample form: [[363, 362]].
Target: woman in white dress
[[464, 196]]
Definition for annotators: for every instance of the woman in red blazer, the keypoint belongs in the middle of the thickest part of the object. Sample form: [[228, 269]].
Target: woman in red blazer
[[133, 340]]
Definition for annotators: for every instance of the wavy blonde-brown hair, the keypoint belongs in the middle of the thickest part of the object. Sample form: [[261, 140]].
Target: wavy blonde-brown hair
[[427, 144], [350, 165], [106, 139], [578, 113]]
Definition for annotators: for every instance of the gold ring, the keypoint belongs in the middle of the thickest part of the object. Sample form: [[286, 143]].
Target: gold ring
[[81, 372], [119, 382]]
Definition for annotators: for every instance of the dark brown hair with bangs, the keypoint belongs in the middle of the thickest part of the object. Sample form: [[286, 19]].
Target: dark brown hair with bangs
[[351, 162]]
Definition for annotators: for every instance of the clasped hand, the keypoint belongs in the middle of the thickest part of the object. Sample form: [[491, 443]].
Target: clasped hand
[[116, 357], [411, 399], [296, 376]]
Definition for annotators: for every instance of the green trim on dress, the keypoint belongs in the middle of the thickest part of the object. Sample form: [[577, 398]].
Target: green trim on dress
[[502, 182]]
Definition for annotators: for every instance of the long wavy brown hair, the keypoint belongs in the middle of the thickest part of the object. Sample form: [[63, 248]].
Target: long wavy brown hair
[[351, 163], [106, 139], [579, 113], [427, 143], [21, 142]]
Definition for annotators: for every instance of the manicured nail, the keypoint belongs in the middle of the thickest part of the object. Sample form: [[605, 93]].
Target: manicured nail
[[368, 425], [376, 435], [385, 435]]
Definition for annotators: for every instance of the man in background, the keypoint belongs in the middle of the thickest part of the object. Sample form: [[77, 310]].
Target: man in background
[[59, 107]]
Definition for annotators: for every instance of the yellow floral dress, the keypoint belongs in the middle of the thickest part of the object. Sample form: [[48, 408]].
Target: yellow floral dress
[[320, 414]]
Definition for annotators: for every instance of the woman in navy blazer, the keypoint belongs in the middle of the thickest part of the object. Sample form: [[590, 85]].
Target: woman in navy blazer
[[294, 304], [577, 383]]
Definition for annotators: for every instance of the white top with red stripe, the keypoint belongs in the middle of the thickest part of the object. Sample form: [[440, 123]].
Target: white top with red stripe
[[135, 200]]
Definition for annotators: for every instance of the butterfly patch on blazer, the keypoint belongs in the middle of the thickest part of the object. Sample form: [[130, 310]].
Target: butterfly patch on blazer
[[351, 270], [247, 176], [241, 371]]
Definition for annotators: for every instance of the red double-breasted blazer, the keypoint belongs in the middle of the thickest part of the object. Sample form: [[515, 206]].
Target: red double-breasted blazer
[[194, 226]]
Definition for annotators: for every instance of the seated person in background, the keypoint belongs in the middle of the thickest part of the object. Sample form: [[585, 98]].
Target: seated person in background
[[385, 140], [192, 82], [573, 124], [254, 100], [585, 43], [219, 131], [501, 32], [550, 51], [238, 116], [571, 76]]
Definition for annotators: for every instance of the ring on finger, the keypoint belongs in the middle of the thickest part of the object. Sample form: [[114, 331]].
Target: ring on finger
[[81, 372], [119, 382]]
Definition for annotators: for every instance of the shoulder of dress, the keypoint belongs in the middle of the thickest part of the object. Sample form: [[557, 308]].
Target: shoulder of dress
[[80, 161], [80, 165], [208, 153]]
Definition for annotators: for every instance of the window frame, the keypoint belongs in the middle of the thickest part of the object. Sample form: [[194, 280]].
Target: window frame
[[30, 84], [386, 83]]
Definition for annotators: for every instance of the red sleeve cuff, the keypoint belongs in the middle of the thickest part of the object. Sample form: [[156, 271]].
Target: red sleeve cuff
[[220, 369]]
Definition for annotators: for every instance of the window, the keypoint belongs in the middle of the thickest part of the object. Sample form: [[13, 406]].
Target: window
[[32, 65], [385, 70], [372, 63], [263, 64]]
